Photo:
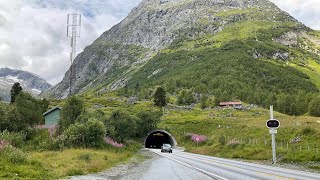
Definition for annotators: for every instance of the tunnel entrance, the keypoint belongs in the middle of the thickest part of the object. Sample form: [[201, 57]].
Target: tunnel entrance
[[157, 138]]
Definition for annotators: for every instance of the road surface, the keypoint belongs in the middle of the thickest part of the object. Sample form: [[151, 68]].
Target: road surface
[[223, 169], [186, 166]]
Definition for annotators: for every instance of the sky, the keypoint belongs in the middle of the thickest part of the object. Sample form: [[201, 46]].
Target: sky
[[33, 32]]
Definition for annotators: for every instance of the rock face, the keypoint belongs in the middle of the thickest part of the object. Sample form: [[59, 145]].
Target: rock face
[[153, 26], [29, 82]]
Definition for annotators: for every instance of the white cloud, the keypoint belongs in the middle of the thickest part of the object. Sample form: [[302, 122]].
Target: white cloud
[[33, 32], [306, 11]]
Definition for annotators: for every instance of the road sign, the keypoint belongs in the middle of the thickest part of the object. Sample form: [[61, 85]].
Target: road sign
[[273, 123]]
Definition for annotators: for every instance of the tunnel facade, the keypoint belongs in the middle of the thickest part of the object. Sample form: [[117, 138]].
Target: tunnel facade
[[157, 138]]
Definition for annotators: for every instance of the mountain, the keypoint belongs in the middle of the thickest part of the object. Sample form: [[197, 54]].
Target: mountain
[[29, 82], [234, 49]]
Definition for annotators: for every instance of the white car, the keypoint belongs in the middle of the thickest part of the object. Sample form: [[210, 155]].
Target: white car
[[166, 148]]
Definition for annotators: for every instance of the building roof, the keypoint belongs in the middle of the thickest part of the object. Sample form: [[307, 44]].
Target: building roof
[[230, 103], [53, 109]]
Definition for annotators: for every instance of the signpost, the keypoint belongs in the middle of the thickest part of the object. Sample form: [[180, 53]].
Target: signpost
[[273, 124]]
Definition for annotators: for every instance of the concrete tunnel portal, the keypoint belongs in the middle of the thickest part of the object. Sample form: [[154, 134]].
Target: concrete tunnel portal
[[157, 138]]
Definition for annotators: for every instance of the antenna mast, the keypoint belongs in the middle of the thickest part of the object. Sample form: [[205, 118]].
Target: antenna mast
[[73, 31]]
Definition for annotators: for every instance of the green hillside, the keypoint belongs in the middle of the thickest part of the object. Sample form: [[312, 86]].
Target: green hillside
[[242, 62]]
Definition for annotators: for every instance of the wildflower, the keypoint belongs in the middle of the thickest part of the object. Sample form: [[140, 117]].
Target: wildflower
[[198, 138], [113, 143], [3, 144]]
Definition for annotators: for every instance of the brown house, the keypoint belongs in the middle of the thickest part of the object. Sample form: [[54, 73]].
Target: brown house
[[235, 105]]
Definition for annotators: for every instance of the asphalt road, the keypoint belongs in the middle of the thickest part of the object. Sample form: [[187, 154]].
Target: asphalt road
[[217, 168]]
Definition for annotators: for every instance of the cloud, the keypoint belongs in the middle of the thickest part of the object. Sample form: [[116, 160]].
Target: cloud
[[306, 11], [33, 32]]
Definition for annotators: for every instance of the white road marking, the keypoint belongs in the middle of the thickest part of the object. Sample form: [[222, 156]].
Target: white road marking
[[188, 165]]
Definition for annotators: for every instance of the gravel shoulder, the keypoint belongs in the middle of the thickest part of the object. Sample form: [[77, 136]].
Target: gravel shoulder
[[130, 170]]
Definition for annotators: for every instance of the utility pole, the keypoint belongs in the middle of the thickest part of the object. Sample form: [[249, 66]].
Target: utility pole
[[73, 31]]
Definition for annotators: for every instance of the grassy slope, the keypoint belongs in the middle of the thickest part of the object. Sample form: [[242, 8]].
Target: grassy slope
[[245, 133]]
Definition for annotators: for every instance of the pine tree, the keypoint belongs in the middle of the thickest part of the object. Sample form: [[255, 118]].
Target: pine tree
[[160, 97], [15, 90]]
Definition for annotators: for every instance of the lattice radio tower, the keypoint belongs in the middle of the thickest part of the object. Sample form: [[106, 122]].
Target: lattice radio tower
[[73, 31]]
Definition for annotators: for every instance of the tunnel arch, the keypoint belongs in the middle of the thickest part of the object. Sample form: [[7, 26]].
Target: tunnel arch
[[157, 138]]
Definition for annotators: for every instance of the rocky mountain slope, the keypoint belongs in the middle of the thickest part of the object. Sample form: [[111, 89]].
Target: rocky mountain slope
[[29, 82], [235, 49]]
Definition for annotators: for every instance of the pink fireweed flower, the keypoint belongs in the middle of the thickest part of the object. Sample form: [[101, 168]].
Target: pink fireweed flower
[[3, 144], [113, 143], [198, 138], [52, 131]]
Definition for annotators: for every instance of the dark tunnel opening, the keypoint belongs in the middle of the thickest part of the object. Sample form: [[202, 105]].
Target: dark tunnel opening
[[157, 138]]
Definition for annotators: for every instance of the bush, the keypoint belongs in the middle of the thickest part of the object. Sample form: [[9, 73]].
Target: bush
[[314, 107], [13, 155], [70, 112], [222, 140], [37, 139], [147, 122], [122, 126], [307, 131], [89, 134], [15, 139]]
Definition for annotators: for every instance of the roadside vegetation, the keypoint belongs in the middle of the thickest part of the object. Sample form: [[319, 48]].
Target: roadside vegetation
[[86, 140], [202, 127]]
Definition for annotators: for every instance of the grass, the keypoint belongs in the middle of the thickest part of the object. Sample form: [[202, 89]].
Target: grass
[[72, 162], [59, 164], [245, 133]]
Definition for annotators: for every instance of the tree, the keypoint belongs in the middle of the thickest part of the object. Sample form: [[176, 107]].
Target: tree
[[122, 126], [70, 112], [160, 97], [15, 90], [137, 89], [314, 107], [147, 122], [204, 101], [185, 98], [29, 108], [44, 104]]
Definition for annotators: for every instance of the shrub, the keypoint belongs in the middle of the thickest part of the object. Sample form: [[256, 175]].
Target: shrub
[[15, 139], [122, 126], [13, 155], [37, 139], [314, 107], [147, 122], [88, 134], [222, 140], [307, 130], [70, 112]]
